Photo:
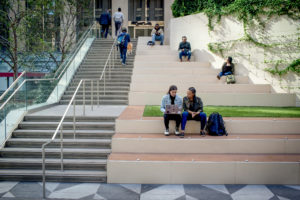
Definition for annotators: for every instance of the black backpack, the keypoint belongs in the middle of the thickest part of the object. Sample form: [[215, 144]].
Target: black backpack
[[215, 125]]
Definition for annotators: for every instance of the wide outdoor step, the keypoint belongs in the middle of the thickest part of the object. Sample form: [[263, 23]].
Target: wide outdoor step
[[203, 168], [53, 164], [201, 88], [67, 125], [220, 98], [48, 118], [54, 175], [199, 78], [249, 144], [101, 102], [165, 64], [176, 71], [158, 58], [132, 121], [72, 153], [78, 143], [90, 134]]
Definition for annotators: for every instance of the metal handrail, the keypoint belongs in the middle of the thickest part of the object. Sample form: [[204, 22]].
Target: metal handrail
[[60, 125], [51, 79], [12, 85]]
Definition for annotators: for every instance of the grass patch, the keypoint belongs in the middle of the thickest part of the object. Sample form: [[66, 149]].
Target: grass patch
[[237, 111]]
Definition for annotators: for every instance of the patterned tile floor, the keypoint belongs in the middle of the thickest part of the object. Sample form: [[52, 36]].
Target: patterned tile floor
[[33, 190]]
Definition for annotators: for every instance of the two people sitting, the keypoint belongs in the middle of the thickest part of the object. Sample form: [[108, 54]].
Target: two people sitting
[[184, 49], [227, 68], [157, 34], [192, 106]]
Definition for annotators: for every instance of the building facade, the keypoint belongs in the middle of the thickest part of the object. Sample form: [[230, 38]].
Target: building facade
[[140, 15]]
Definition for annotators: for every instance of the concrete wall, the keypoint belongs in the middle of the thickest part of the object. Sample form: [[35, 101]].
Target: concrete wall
[[251, 60], [123, 4], [168, 16]]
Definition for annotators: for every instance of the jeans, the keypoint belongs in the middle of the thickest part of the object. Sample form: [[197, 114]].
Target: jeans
[[104, 29], [185, 53], [224, 73], [118, 26], [123, 52], [158, 38], [168, 117], [186, 116]]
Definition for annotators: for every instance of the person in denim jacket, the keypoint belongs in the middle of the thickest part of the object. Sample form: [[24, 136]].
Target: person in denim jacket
[[171, 99]]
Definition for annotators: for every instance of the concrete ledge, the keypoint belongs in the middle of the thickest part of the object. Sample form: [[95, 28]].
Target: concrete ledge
[[160, 57], [137, 168], [195, 79], [218, 99], [161, 86], [132, 121], [245, 144], [170, 65]]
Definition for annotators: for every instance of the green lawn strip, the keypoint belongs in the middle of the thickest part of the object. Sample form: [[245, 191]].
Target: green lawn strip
[[237, 111]]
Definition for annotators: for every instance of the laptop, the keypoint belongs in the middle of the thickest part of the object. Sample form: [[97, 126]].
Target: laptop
[[172, 109]]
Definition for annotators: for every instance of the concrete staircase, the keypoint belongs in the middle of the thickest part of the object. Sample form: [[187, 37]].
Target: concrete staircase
[[160, 66], [117, 87], [257, 150], [85, 156]]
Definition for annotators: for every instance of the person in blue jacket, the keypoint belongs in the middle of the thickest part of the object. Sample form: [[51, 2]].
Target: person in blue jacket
[[105, 21], [123, 40]]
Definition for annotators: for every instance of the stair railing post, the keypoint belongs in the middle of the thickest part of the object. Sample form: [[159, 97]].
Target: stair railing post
[[104, 83], [83, 97], [44, 171], [74, 115], [98, 93], [109, 65], [92, 96], [61, 149]]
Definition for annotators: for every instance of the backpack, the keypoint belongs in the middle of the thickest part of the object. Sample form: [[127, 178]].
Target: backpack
[[230, 79], [150, 43], [121, 41], [215, 125]]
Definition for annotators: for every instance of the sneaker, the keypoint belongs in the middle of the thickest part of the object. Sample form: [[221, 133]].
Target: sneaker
[[167, 133], [124, 64], [202, 133], [177, 131]]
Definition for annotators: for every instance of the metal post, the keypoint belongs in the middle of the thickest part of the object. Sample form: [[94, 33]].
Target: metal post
[[98, 93], [5, 128], [25, 95], [109, 66], [104, 83], [84, 97], [92, 96], [74, 115], [44, 173], [61, 149]]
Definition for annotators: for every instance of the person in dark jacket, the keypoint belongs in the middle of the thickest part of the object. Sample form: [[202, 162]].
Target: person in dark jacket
[[123, 40], [105, 21], [193, 110], [227, 68], [184, 49]]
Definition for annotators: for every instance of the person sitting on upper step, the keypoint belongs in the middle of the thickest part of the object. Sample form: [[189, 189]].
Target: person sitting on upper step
[[193, 110], [157, 34], [171, 99], [227, 68], [184, 49]]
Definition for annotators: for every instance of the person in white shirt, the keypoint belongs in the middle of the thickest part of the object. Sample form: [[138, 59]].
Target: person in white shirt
[[118, 19]]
